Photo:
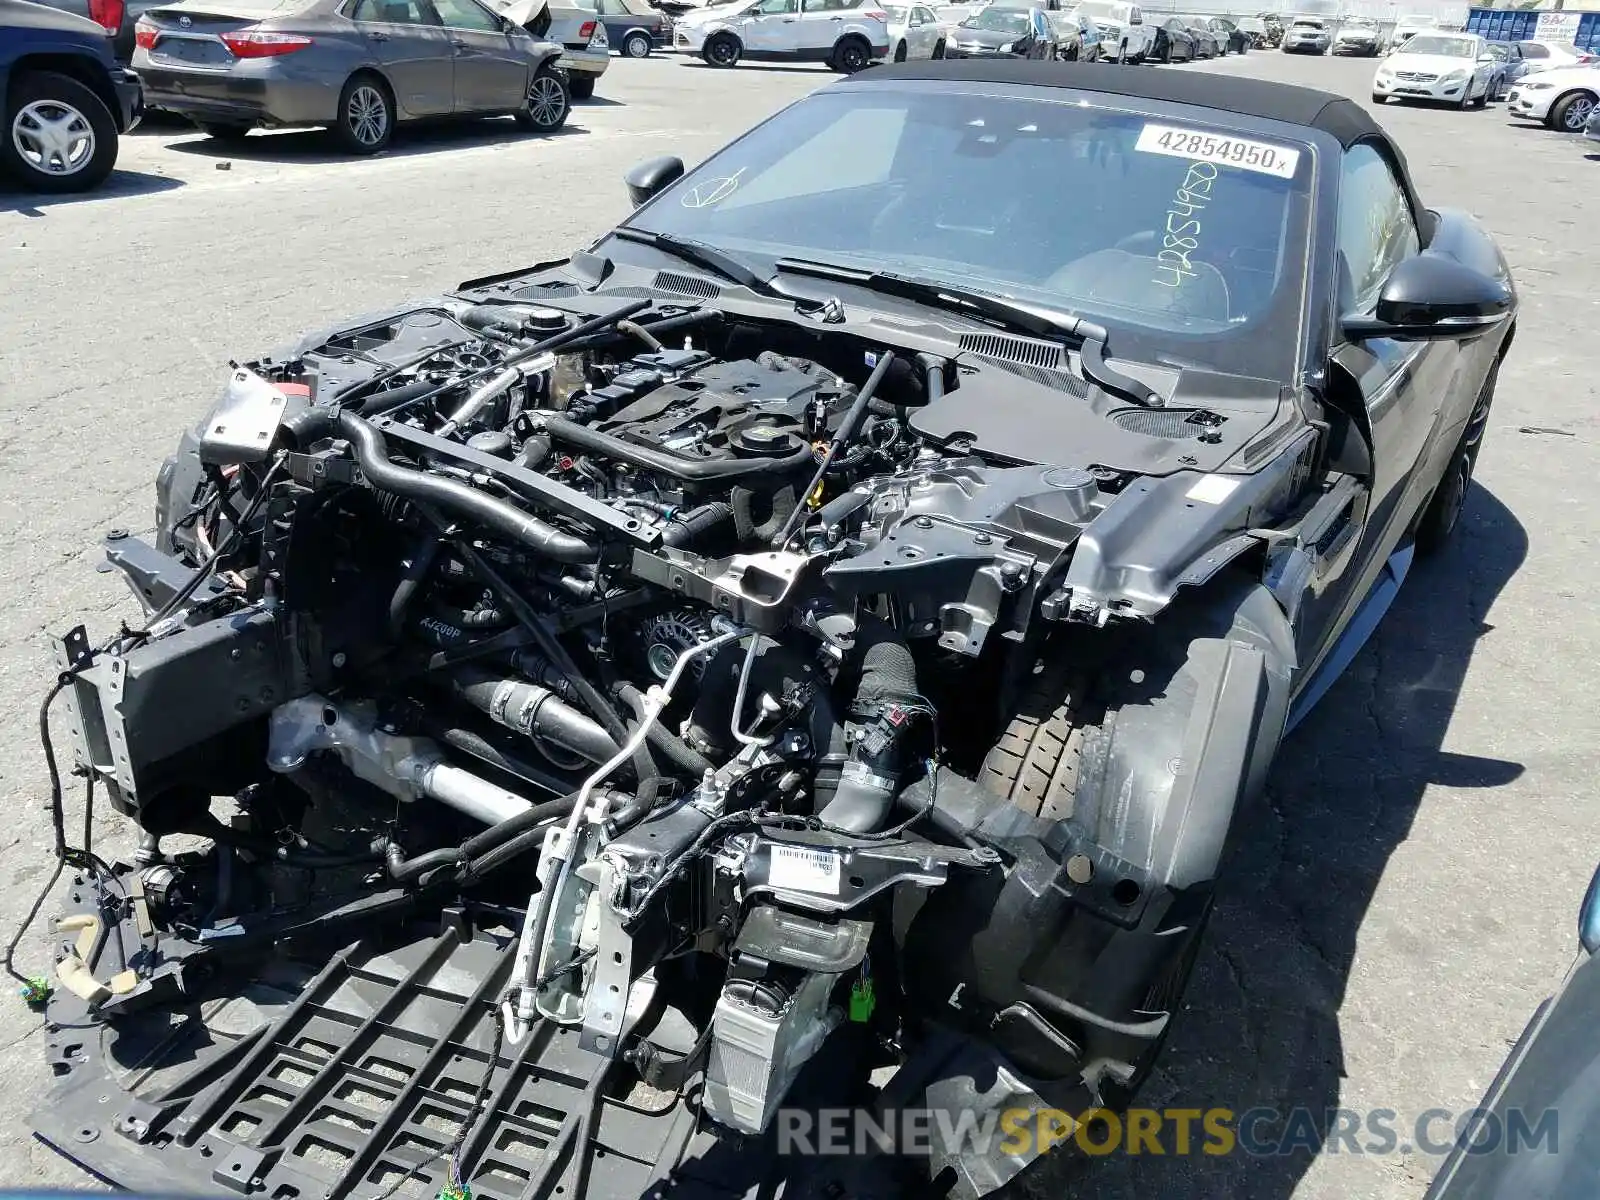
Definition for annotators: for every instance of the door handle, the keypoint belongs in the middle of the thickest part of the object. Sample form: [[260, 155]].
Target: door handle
[[788, 20], [459, 43], [377, 36], [835, 18]]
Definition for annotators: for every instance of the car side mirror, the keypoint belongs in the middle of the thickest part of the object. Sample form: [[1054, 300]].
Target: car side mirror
[[651, 176], [1589, 916], [1429, 297]]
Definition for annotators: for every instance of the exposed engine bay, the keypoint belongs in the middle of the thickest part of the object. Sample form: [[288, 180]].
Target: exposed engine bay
[[682, 649]]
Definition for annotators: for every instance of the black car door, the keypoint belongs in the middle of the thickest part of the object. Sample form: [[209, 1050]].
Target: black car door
[[1403, 387]]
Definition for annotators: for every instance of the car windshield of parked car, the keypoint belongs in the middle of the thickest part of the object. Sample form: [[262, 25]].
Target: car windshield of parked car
[[1435, 45], [999, 20], [1307, 25], [1183, 238]]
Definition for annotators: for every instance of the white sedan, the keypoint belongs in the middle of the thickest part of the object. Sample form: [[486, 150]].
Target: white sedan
[[1453, 68], [1563, 99], [914, 32]]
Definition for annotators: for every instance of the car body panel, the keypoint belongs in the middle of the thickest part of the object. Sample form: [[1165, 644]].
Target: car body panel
[[1358, 37], [122, 35], [576, 28], [1513, 66]]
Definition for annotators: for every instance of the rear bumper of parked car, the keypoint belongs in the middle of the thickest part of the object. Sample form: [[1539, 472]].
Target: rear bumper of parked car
[[591, 61], [1438, 88], [1533, 105], [130, 98], [254, 91]]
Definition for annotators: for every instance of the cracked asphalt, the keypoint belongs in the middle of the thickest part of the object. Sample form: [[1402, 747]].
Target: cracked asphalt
[[1393, 908]]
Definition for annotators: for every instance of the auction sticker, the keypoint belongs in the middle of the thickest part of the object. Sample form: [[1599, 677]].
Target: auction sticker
[[803, 869], [1261, 157]]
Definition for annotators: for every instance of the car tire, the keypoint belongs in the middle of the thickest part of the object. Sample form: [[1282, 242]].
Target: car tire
[[1034, 763], [365, 121], [850, 55], [223, 131], [1466, 97], [1122, 54], [938, 49], [636, 45], [1442, 514], [900, 52], [40, 97], [1572, 112], [549, 101], [1379, 99], [722, 50], [581, 86]]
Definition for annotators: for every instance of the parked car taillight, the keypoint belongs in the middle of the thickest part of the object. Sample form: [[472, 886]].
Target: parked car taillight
[[107, 14], [259, 43], [586, 30], [144, 36], [876, 14]]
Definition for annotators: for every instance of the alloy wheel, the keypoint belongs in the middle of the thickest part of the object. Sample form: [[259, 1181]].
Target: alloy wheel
[[1579, 110], [545, 101], [367, 114], [53, 138]]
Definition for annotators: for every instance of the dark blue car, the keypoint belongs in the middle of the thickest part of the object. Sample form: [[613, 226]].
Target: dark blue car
[[633, 26], [66, 99]]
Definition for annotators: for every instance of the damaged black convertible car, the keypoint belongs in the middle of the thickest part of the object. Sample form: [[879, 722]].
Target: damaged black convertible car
[[804, 652]]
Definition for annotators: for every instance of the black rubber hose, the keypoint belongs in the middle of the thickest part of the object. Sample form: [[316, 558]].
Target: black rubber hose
[[421, 562], [372, 452], [702, 316], [888, 669], [472, 743], [635, 808], [552, 649], [688, 528], [533, 711], [380, 402], [534, 451], [406, 870], [668, 744], [706, 470], [870, 775]]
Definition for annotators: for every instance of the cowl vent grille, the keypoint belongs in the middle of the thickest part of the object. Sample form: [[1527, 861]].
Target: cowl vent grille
[[1174, 424], [1061, 381], [687, 285], [550, 287], [1026, 351]]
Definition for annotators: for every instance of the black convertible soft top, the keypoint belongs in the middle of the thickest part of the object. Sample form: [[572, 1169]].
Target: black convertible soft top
[[1336, 115]]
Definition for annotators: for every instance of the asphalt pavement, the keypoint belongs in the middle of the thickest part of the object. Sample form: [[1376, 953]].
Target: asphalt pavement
[[1393, 909]]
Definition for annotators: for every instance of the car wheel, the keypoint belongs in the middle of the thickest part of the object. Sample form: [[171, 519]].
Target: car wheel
[[549, 101], [366, 115], [1466, 97], [900, 52], [722, 50], [1122, 53], [581, 86], [1571, 113], [938, 49], [223, 131], [851, 55], [1379, 99], [636, 45], [1443, 512], [59, 136]]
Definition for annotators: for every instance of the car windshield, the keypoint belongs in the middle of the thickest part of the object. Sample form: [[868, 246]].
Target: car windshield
[[1000, 20], [1306, 25], [1184, 241], [1443, 47], [1358, 23]]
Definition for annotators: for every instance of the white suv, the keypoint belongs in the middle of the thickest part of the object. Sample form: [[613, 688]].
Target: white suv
[[848, 35], [1125, 36]]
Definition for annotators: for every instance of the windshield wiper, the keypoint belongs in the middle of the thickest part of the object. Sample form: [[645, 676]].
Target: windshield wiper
[[701, 255], [1037, 319]]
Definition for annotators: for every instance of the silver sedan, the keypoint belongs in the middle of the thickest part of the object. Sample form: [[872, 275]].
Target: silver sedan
[[358, 67]]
